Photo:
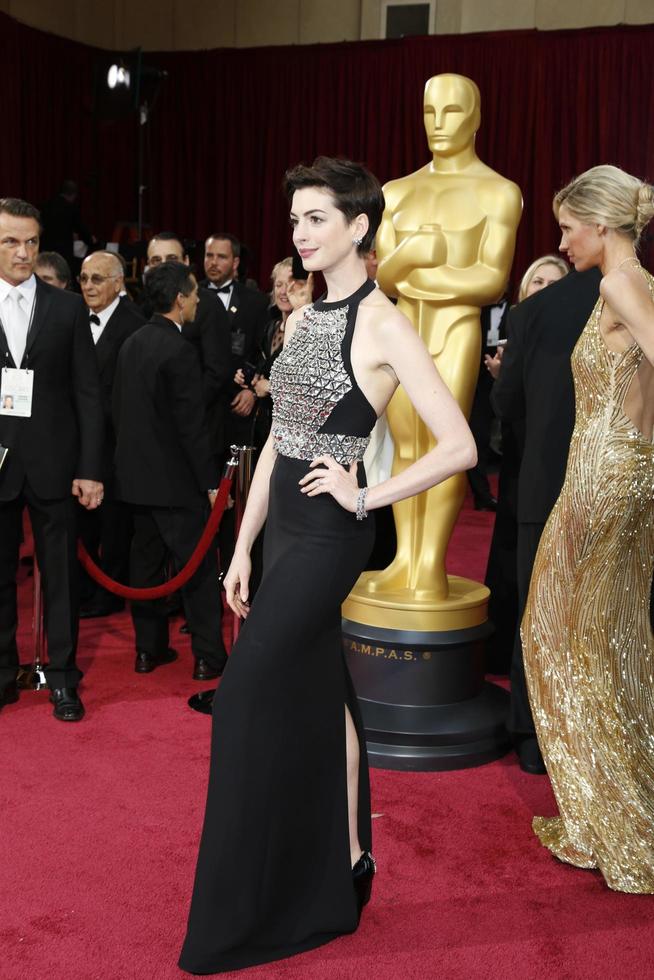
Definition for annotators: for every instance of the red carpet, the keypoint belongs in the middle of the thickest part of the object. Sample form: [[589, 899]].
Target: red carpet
[[101, 823]]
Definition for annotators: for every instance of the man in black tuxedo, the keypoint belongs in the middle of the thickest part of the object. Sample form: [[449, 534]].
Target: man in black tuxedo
[[107, 532], [54, 450], [248, 316], [166, 471], [493, 328], [210, 335], [535, 385], [62, 223]]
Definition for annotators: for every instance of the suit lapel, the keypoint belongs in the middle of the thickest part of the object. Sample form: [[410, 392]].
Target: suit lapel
[[234, 304], [42, 302], [5, 354]]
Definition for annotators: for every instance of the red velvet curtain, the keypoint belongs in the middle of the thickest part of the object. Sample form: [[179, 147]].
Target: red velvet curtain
[[228, 123]]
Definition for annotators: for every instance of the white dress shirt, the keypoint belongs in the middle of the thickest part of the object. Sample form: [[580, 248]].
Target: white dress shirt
[[496, 314], [224, 297], [16, 326], [104, 316]]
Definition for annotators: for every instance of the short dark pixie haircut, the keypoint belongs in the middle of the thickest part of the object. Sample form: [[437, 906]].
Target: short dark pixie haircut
[[354, 189], [164, 282], [19, 209]]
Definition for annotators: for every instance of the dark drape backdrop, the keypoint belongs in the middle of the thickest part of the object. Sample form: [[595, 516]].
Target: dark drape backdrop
[[229, 122]]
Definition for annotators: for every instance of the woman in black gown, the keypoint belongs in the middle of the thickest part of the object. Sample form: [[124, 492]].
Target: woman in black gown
[[284, 862]]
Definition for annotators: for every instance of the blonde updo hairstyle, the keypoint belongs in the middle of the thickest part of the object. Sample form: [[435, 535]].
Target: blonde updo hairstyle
[[608, 196], [525, 282]]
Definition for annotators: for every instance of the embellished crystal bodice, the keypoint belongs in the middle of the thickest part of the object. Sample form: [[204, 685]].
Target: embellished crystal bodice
[[318, 407]]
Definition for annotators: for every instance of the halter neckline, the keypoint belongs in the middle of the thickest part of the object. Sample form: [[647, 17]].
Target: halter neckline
[[366, 287]]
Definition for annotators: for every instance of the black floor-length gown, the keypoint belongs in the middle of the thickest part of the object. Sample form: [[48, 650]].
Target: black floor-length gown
[[274, 873]]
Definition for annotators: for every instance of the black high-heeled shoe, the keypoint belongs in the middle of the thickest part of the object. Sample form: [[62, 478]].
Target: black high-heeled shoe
[[362, 874]]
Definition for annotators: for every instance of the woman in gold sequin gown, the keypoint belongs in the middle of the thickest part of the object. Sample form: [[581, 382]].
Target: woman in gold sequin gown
[[588, 645]]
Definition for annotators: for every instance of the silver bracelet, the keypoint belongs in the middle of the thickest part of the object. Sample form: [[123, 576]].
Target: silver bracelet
[[361, 504]]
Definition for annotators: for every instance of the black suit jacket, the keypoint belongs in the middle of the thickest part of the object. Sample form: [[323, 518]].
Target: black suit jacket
[[163, 455], [63, 439], [61, 221], [210, 335], [535, 384], [248, 316], [122, 323]]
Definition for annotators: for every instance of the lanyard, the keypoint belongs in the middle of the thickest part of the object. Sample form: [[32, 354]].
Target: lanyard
[[27, 337]]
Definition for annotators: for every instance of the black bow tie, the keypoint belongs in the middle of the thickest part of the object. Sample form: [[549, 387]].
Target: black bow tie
[[227, 288], [94, 318]]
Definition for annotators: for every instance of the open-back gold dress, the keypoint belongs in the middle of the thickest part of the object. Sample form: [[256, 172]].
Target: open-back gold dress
[[587, 640]]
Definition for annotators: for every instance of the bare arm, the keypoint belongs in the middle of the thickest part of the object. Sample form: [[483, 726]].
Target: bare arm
[[237, 580], [455, 450], [257, 505], [627, 295], [401, 349]]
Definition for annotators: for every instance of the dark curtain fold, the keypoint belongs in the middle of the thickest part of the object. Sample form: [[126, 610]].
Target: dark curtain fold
[[228, 123]]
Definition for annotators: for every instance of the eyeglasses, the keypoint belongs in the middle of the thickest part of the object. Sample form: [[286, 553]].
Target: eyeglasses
[[96, 279]]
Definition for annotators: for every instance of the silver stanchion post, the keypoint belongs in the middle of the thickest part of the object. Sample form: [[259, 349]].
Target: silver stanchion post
[[31, 676], [241, 461], [245, 457]]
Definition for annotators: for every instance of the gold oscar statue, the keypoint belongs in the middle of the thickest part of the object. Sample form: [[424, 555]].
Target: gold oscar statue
[[445, 247]]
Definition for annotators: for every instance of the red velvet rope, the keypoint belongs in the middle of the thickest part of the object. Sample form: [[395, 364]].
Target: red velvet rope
[[182, 577]]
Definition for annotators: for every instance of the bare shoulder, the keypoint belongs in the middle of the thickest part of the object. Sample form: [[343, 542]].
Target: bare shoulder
[[622, 288], [383, 319]]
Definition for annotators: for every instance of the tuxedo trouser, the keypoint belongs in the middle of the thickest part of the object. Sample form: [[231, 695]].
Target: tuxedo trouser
[[165, 536], [107, 535], [54, 526], [521, 722]]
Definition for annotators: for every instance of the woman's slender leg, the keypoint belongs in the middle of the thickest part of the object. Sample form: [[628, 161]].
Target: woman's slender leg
[[352, 750]]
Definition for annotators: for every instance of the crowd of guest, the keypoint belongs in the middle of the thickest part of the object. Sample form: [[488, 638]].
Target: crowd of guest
[[136, 396], [165, 379]]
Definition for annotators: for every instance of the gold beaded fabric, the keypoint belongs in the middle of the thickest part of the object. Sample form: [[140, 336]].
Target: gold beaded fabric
[[586, 635]]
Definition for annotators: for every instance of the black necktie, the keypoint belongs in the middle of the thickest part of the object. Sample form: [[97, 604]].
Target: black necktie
[[94, 318]]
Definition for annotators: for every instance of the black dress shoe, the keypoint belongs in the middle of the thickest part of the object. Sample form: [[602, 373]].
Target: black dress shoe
[[202, 702], [102, 606], [145, 663], [530, 757], [9, 695], [204, 671], [485, 503], [362, 874], [67, 704]]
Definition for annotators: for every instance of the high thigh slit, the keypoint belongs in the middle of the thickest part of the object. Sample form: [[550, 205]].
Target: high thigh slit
[[274, 874]]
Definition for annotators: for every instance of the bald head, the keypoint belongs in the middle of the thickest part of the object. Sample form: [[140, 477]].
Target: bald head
[[101, 280]]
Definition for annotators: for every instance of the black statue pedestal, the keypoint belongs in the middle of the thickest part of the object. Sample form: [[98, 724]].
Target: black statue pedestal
[[425, 703]]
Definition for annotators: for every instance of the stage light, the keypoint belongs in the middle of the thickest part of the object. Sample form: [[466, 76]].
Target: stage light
[[118, 77]]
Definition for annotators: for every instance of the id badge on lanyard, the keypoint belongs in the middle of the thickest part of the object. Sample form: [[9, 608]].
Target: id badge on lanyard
[[16, 387]]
